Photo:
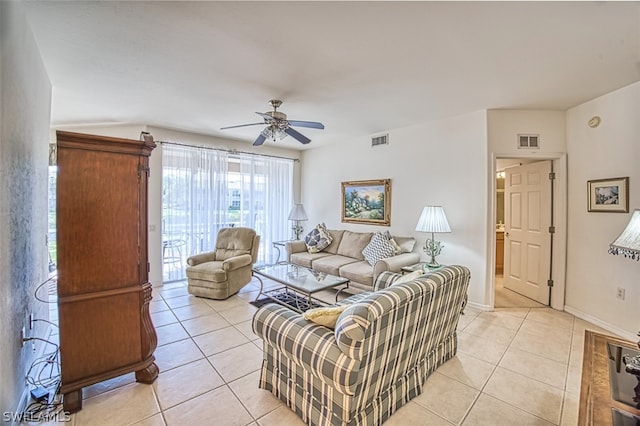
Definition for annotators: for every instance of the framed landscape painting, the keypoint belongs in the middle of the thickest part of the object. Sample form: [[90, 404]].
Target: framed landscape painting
[[609, 195], [367, 201]]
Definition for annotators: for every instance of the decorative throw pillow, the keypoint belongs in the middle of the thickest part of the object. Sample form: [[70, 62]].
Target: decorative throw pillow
[[378, 248], [408, 277], [324, 316], [397, 249], [318, 239]]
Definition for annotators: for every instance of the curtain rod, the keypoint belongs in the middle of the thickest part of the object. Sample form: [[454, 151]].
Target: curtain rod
[[231, 151]]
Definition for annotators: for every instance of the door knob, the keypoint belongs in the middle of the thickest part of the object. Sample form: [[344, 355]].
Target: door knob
[[506, 234]]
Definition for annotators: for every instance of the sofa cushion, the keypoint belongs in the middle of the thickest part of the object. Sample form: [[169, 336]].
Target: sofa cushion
[[378, 248], [232, 242], [306, 259], [353, 322], [336, 235], [360, 272], [405, 243], [353, 243], [331, 264], [318, 239], [208, 271]]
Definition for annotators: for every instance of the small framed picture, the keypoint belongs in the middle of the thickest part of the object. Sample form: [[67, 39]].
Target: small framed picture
[[608, 195]]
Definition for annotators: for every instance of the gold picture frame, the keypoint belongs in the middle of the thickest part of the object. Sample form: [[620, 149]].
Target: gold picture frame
[[608, 195], [367, 201]]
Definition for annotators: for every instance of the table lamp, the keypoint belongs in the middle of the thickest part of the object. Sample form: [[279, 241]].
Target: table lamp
[[433, 219], [628, 245], [297, 214], [628, 242]]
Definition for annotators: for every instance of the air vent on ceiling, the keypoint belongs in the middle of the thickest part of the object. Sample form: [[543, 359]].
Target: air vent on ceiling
[[528, 141], [378, 140]]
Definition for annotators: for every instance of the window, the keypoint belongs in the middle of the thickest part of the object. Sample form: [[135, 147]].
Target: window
[[206, 189]]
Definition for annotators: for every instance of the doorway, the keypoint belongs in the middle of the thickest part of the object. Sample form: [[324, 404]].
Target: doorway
[[515, 284]]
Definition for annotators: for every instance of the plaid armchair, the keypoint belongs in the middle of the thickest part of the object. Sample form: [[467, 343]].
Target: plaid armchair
[[385, 344]]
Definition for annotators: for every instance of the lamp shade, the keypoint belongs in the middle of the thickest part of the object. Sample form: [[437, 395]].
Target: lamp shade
[[298, 213], [433, 219], [628, 243]]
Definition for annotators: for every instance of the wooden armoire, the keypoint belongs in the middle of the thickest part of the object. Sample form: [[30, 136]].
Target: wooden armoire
[[103, 270]]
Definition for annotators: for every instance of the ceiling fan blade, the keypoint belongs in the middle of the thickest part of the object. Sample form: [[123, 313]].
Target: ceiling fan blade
[[260, 140], [297, 135], [240, 125], [311, 124], [265, 116]]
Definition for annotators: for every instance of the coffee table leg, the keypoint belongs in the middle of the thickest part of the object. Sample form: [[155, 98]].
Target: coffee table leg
[[298, 304], [261, 287], [346, 286], [275, 246]]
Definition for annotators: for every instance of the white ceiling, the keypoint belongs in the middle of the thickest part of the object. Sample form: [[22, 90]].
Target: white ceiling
[[361, 68]]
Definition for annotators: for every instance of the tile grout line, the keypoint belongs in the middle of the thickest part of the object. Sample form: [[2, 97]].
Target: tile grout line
[[206, 359], [495, 367]]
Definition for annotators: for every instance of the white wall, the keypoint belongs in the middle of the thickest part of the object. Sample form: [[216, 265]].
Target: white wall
[[439, 163], [24, 133], [610, 150], [504, 127]]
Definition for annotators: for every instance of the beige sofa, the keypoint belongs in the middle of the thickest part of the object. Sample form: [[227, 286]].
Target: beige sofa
[[344, 258]]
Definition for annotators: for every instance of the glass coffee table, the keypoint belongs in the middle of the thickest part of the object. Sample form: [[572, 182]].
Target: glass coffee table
[[299, 284], [609, 394]]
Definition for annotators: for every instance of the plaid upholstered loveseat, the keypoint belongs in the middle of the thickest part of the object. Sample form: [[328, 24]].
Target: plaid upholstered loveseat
[[385, 344]]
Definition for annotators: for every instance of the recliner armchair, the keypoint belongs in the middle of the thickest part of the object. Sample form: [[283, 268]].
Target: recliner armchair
[[223, 272]]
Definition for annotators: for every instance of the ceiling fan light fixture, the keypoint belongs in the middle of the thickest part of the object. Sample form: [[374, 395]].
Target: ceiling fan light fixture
[[274, 132], [278, 126]]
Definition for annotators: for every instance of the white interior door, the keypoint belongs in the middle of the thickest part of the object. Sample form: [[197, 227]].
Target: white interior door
[[527, 241]]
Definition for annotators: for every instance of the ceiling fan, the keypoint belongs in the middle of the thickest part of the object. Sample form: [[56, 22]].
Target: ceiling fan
[[278, 127]]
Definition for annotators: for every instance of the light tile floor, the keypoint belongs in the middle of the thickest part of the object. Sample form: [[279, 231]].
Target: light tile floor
[[515, 366], [505, 298]]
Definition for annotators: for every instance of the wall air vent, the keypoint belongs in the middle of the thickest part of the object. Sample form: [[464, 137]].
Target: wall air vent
[[378, 140], [528, 141]]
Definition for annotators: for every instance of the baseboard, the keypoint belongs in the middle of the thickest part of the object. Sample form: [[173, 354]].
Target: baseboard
[[579, 314], [593, 320], [478, 306]]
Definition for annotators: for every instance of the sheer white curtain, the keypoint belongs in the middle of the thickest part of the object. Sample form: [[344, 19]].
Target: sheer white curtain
[[195, 203], [206, 189], [266, 198]]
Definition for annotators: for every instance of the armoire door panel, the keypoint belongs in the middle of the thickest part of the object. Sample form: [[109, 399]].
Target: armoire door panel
[[105, 342], [103, 290]]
